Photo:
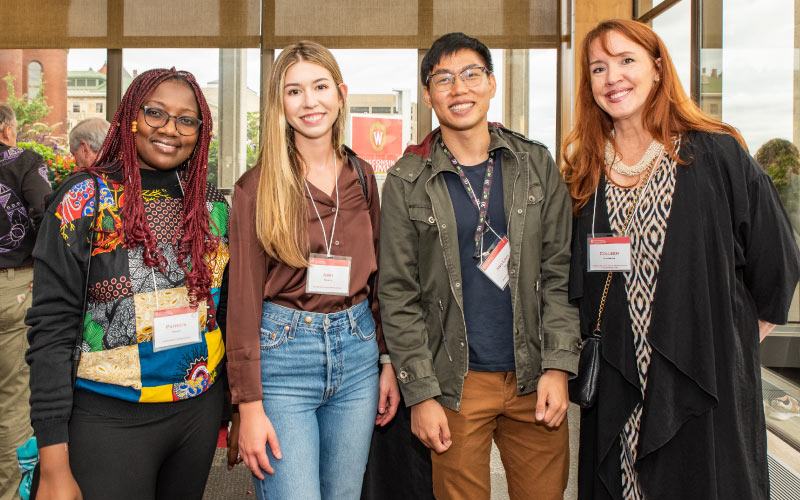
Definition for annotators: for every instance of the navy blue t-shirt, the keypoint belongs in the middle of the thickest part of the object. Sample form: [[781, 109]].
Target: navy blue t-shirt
[[487, 309]]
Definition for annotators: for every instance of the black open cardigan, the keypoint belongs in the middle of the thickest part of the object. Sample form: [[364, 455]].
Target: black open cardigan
[[729, 259]]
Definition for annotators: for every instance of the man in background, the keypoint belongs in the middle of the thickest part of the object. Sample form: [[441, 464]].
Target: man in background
[[85, 140], [23, 188]]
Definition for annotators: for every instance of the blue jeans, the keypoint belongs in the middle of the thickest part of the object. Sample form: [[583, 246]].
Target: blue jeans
[[319, 374]]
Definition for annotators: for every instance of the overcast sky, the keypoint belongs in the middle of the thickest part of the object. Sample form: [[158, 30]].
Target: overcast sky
[[757, 62]]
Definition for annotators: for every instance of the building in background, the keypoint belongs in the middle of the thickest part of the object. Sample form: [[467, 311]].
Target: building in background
[[86, 94], [32, 69], [711, 92], [252, 103]]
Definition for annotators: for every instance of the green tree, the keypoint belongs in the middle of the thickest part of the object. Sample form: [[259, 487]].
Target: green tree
[[213, 161], [780, 159], [253, 119], [251, 147], [29, 112]]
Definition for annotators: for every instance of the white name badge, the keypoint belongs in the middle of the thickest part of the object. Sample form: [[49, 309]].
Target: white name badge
[[175, 327], [495, 267], [328, 275], [609, 253]]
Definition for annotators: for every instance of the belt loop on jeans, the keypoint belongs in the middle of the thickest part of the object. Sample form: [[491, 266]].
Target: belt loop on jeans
[[10, 273], [351, 317], [295, 320]]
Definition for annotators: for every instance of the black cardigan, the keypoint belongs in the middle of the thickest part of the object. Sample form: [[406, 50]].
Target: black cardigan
[[729, 259]]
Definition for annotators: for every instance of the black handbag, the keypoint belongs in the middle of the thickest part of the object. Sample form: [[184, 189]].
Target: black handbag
[[583, 388]]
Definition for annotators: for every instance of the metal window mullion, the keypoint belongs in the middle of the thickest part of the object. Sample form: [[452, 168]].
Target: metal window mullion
[[696, 21]]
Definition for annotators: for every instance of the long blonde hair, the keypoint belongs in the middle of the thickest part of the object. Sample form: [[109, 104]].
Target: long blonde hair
[[668, 112], [281, 223]]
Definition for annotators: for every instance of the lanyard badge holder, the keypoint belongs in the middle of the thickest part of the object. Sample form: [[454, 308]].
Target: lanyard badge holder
[[493, 262], [495, 265], [328, 274], [174, 326], [610, 252]]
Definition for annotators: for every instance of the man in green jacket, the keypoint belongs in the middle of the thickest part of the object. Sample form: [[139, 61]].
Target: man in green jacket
[[474, 264]]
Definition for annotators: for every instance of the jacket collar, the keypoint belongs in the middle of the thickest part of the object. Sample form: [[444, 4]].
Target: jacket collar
[[430, 147], [427, 146]]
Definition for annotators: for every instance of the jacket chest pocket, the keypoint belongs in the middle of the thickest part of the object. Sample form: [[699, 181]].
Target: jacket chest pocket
[[423, 217], [535, 193], [533, 210]]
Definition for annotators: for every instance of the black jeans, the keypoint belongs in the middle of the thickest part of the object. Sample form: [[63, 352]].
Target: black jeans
[[142, 451]]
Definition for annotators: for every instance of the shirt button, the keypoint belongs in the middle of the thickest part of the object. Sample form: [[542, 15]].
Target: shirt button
[[458, 285], [431, 220], [444, 226], [337, 243], [521, 387], [307, 319], [461, 343], [333, 209], [531, 198], [519, 211], [511, 272], [403, 374]]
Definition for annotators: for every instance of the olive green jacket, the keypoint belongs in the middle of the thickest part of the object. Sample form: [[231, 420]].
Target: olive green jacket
[[420, 272]]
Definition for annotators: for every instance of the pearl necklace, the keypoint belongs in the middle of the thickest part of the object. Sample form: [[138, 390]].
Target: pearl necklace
[[613, 160]]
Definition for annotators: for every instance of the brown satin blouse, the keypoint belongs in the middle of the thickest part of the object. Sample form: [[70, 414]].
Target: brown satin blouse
[[254, 277]]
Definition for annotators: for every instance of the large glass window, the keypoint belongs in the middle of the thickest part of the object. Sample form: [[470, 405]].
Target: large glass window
[[543, 83], [749, 75], [674, 27], [382, 101], [34, 79]]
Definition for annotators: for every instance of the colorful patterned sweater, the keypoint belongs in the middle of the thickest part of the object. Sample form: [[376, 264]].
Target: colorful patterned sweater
[[117, 358]]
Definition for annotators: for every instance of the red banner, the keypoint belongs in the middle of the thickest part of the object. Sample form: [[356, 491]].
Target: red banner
[[377, 140]]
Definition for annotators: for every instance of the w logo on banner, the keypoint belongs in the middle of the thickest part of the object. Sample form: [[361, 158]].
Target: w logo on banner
[[377, 136]]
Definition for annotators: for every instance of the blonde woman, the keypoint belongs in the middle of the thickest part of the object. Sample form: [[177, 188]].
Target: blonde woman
[[305, 333]]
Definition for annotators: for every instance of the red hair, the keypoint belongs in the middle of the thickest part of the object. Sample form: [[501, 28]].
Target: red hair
[[668, 112], [118, 154]]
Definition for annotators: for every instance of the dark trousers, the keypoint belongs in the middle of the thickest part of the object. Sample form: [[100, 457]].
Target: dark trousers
[[399, 465], [143, 451]]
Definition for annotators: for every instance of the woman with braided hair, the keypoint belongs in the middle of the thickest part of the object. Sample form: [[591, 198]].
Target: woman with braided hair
[[129, 275]]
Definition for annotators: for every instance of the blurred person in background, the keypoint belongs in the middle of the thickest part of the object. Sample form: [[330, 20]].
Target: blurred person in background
[[85, 140], [23, 188]]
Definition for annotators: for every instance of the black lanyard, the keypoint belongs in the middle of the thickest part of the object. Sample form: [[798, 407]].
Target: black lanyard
[[483, 205]]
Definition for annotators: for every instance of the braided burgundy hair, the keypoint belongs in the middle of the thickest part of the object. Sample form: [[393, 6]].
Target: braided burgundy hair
[[118, 154]]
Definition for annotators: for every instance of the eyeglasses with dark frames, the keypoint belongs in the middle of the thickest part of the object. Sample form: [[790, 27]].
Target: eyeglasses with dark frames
[[444, 81], [157, 118]]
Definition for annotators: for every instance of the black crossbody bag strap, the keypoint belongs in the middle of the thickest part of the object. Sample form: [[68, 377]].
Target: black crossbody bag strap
[[360, 171], [76, 349], [363, 181]]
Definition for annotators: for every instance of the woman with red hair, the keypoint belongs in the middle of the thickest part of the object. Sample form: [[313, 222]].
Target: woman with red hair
[[128, 278], [682, 255]]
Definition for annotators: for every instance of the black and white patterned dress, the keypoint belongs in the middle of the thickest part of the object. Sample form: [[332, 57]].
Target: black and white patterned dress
[[647, 231]]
